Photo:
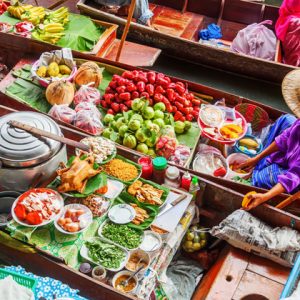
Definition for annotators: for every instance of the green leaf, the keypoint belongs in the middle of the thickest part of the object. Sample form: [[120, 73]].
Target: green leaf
[[188, 138], [6, 18]]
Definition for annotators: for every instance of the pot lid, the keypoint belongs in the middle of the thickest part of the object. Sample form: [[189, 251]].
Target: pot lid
[[19, 148]]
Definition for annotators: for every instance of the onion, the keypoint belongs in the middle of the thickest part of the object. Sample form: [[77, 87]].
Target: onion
[[60, 92], [88, 73]]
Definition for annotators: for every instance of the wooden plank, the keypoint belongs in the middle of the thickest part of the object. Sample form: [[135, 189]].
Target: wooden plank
[[134, 54], [259, 287], [268, 269]]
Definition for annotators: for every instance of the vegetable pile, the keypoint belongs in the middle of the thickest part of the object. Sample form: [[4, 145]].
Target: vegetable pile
[[107, 255], [123, 235], [157, 88]]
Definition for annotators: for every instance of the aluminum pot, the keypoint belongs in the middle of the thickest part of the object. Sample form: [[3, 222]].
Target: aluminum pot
[[26, 159]]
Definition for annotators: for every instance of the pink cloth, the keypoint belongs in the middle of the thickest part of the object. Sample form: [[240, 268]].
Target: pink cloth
[[288, 10]]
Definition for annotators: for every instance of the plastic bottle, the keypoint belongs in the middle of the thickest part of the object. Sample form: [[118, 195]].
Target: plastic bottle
[[159, 169], [194, 187], [172, 177], [186, 181]]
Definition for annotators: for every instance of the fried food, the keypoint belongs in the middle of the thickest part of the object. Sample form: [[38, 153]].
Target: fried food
[[121, 169], [76, 176], [141, 215], [146, 193]]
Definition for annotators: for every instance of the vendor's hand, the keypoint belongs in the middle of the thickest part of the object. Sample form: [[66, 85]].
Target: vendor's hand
[[255, 200], [248, 164]]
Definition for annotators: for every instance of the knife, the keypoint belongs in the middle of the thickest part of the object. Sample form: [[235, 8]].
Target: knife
[[171, 205]]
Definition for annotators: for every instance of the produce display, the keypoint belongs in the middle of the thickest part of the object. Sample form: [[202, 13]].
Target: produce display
[[157, 88], [195, 239], [122, 234], [97, 204], [37, 206], [75, 177], [75, 218], [146, 193], [102, 149], [121, 169], [107, 255]]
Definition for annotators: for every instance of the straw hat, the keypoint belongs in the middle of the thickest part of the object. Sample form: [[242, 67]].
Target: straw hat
[[291, 91]]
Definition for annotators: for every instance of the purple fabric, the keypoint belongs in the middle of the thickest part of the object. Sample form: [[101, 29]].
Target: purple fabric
[[256, 40], [288, 157]]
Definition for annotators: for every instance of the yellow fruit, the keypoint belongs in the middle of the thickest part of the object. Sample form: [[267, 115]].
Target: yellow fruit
[[231, 131], [64, 70], [42, 71], [53, 69], [190, 236], [246, 199], [188, 244], [196, 246], [249, 143]]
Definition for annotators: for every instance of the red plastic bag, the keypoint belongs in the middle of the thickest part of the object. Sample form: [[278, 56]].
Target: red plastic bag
[[89, 121], [63, 113], [88, 106], [88, 94]]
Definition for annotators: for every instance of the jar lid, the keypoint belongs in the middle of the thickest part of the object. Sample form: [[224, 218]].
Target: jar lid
[[160, 163], [19, 148], [172, 172]]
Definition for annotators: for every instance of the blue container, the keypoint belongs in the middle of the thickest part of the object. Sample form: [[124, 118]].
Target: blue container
[[292, 281], [260, 147]]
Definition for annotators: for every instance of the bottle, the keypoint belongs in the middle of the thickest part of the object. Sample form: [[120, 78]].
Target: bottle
[[159, 169], [147, 166], [186, 181], [172, 177], [194, 187]]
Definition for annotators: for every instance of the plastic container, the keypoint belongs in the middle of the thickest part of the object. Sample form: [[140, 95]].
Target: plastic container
[[99, 273], [159, 169], [147, 167], [246, 151], [128, 273], [139, 254], [194, 187], [236, 158], [20, 279], [172, 177], [186, 180]]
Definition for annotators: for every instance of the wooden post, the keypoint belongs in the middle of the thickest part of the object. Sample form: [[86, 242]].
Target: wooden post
[[289, 200], [184, 6], [126, 29]]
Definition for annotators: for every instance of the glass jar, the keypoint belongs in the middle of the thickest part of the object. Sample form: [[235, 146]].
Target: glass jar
[[159, 169], [147, 166], [172, 177]]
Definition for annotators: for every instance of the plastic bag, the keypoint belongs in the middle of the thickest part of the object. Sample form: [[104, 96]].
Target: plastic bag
[[63, 113], [88, 106], [87, 93], [167, 142], [256, 40], [88, 121], [181, 155]]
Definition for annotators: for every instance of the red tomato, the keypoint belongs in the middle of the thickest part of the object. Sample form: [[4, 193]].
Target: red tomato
[[34, 218], [20, 211]]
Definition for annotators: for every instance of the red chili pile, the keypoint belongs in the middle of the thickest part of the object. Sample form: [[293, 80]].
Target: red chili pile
[[156, 87], [3, 7]]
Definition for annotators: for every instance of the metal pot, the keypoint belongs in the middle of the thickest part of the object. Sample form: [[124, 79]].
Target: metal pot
[[25, 159]]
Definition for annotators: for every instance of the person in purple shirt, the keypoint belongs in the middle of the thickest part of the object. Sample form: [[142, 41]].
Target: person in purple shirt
[[277, 167]]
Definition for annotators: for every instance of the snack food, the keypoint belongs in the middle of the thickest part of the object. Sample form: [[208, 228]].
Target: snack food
[[141, 214]]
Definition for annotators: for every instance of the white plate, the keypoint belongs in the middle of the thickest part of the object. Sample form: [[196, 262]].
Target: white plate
[[121, 213], [84, 254], [43, 223], [87, 215]]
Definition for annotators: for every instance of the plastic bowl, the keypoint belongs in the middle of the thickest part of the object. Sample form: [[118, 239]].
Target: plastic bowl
[[239, 158], [44, 82], [258, 150], [124, 273]]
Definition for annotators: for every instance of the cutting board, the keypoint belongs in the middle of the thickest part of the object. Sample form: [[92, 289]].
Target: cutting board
[[170, 219]]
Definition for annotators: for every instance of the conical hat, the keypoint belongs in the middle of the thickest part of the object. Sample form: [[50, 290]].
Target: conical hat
[[291, 91]]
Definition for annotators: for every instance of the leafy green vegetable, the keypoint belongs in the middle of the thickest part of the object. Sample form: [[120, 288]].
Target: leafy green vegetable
[[106, 254], [123, 235], [81, 33]]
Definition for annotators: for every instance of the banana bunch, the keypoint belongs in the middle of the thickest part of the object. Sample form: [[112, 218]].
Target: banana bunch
[[60, 15], [34, 15], [17, 9], [49, 33]]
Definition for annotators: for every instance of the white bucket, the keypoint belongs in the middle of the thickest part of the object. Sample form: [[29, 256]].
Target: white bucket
[[238, 158]]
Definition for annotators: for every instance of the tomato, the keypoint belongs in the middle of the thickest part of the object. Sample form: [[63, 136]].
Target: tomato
[[20, 211], [34, 218], [221, 172]]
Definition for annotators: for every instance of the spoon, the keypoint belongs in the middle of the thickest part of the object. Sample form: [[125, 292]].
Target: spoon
[[125, 282]]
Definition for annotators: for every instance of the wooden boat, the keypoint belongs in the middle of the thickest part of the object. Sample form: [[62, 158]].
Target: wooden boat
[[178, 23], [216, 203]]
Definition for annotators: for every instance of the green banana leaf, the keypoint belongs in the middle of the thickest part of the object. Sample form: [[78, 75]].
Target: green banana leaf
[[81, 33], [6, 18], [190, 137], [151, 210]]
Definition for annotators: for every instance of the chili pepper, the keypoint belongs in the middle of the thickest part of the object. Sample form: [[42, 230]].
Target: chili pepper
[[150, 89], [180, 99], [159, 76], [125, 96], [103, 103], [150, 101], [113, 84], [109, 90], [189, 117], [182, 119], [108, 98], [121, 81], [195, 114], [131, 87], [110, 111], [115, 106], [165, 100], [196, 102], [159, 89], [168, 79], [135, 95], [121, 89], [123, 107], [128, 75], [151, 77], [116, 78], [188, 110], [169, 108], [135, 74], [177, 115], [145, 94], [117, 98], [180, 89], [34, 218], [179, 105], [157, 97], [189, 96], [172, 85], [170, 94], [174, 109], [180, 83], [128, 103], [141, 86], [163, 82], [20, 211], [220, 172], [142, 77]]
